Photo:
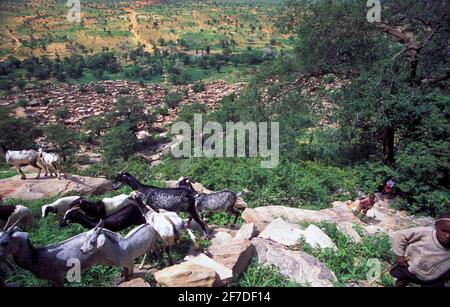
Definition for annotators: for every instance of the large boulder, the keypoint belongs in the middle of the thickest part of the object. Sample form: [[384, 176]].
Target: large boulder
[[292, 215], [250, 215], [235, 254], [296, 265], [282, 232], [47, 187], [315, 237], [225, 274], [186, 274]]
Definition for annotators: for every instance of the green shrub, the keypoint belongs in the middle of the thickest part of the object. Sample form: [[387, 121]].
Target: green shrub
[[62, 113], [119, 142], [173, 98], [198, 87], [258, 275], [99, 89], [22, 103]]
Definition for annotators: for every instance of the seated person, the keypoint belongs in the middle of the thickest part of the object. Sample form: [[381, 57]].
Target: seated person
[[423, 254], [388, 188], [361, 206]]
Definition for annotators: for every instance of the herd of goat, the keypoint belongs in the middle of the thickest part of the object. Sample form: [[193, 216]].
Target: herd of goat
[[152, 209]]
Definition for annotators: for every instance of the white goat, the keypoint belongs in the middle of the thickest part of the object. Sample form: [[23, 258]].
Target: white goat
[[51, 163], [59, 207], [22, 158]]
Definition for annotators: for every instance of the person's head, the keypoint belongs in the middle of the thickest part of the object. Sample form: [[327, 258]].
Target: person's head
[[443, 229], [372, 196]]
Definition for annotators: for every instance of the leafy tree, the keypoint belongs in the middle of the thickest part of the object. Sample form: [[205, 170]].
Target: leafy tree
[[17, 133], [119, 142], [66, 140]]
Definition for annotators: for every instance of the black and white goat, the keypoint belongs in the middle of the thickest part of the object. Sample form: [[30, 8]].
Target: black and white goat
[[51, 163], [226, 200], [119, 220], [59, 207], [102, 208], [20, 158], [170, 199]]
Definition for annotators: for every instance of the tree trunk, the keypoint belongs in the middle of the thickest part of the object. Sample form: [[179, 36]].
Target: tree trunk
[[388, 144]]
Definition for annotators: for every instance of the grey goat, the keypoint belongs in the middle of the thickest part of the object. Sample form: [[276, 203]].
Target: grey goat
[[110, 248], [50, 262], [225, 200]]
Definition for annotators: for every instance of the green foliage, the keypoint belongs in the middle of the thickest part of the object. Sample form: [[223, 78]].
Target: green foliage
[[198, 87], [187, 112], [173, 98], [131, 110], [62, 113], [99, 89], [350, 261], [258, 275], [119, 142], [22, 103], [17, 133], [66, 139]]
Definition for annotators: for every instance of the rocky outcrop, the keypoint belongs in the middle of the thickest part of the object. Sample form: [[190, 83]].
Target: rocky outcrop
[[47, 187], [381, 218], [186, 274]]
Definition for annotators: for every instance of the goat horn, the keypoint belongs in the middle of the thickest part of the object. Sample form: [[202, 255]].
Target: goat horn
[[7, 223], [14, 225], [99, 225], [123, 170]]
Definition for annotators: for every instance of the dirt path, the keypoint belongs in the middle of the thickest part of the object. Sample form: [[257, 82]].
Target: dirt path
[[18, 44], [134, 30]]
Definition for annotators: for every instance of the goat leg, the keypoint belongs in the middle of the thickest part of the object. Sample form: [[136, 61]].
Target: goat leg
[[143, 261], [20, 171], [193, 213], [169, 256]]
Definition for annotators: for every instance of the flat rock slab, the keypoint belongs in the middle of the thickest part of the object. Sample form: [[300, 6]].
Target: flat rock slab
[[135, 283], [225, 274], [235, 254], [296, 265], [47, 187], [186, 274], [247, 231], [282, 232]]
